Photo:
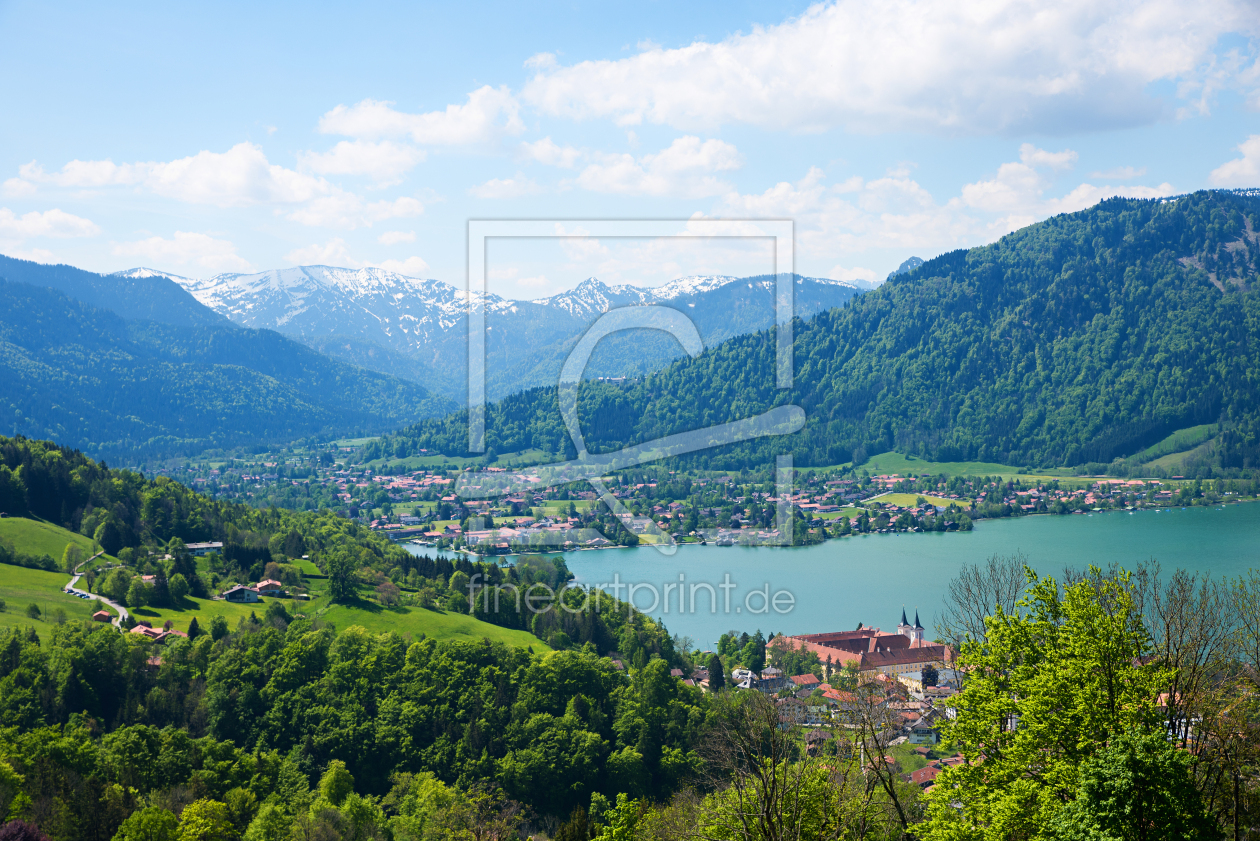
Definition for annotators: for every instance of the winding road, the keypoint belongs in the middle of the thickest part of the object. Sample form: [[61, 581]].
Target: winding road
[[71, 588]]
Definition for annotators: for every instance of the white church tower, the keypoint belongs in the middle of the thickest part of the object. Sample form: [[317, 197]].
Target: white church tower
[[914, 632]]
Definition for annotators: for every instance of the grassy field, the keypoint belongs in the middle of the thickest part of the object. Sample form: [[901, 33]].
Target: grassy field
[[560, 508], [20, 587], [1178, 444], [907, 500], [903, 465], [416, 621], [1175, 462], [374, 617], [36, 537], [307, 567], [909, 760], [1173, 452], [525, 458]]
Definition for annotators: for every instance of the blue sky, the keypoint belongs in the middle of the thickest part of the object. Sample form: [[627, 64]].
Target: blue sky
[[207, 138]]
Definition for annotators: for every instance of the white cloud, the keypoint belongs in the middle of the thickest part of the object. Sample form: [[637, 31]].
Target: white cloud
[[534, 283], [396, 237], [579, 245], [35, 255], [413, 266], [505, 188], [384, 162], [186, 248], [1031, 155], [346, 210], [17, 188], [239, 177], [855, 273], [546, 151], [1120, 173], [1088, 195], [1240, 172], [1019, 190], [1002, 66], [243, 177], [331, 253], [541, 61], [896, 215], [683, 169], [49, 223], [334, 252], [488, 113], [1015, 186]]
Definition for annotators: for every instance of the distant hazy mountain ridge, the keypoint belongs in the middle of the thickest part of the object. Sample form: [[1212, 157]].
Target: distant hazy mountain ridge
[[131, 367], [345, 312]]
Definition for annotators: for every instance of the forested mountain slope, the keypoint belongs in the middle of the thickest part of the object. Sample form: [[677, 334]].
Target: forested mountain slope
[[145, 297], [1083, 338], [115, 387]]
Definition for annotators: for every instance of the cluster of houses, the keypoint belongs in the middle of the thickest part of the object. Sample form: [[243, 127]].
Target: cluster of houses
[[247, 594], [158, 635], [871, 652], [902, 674]]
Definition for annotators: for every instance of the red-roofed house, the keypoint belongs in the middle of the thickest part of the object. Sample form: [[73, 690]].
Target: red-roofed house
[[925, 777], [270, 587]]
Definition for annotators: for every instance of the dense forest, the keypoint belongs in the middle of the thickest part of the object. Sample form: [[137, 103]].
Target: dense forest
[[261, 712], [1083, 338], [88, 377]]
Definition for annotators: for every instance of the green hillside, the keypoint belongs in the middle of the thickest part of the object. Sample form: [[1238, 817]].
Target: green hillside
[[87, 377], [1081, 339], [413, 621], [39, 537], [20, 587], [355, 576]]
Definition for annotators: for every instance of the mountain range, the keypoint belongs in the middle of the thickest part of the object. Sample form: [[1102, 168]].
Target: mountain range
[[136, 367], [1081, 339], [144, 363], [417, 329]]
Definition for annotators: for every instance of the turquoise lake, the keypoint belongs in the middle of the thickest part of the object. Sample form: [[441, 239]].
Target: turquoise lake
[[867, 579]]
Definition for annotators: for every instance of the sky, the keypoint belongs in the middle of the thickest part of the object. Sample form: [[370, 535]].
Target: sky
[[229, 137]]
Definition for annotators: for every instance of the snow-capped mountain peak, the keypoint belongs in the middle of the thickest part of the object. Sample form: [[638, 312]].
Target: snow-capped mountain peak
[[692, 285], [346, 312], [143, 272]]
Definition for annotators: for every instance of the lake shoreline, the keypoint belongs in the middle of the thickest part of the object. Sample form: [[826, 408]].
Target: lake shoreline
[[976, 523]]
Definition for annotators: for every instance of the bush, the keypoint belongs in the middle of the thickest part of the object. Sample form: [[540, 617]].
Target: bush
[[21, 831], [32, 610]]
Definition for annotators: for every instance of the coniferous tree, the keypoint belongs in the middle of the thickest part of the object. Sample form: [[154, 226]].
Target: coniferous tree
[[717, 674]]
